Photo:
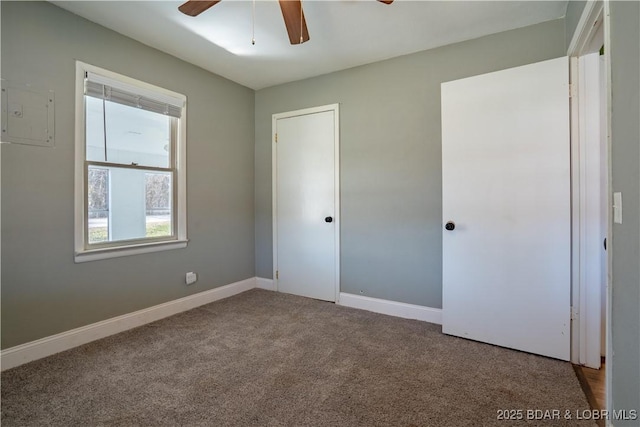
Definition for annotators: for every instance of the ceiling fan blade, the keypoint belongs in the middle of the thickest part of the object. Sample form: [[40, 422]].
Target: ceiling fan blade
[[196, 7], [386, 1], [294, 21]]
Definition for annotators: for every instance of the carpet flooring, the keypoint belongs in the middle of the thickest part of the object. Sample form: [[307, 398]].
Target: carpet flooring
[[268, 359]]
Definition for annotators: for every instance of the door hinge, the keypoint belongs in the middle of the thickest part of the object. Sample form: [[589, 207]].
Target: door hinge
[[276, 137], [277, 274], [572, 91], [574, 313]]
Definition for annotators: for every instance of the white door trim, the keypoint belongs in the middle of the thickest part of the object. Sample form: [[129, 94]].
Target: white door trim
[[594, 15], [585, 29], [274, 170], [587, 234], [581, 192]]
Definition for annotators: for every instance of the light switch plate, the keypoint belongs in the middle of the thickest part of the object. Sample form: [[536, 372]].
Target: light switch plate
[[617, 208]]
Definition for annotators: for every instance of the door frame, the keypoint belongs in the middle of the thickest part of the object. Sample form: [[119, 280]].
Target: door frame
[[587, 203], [335, 108], [594, 18]]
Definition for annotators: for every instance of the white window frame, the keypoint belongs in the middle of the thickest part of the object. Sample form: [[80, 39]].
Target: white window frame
[[179, 239]]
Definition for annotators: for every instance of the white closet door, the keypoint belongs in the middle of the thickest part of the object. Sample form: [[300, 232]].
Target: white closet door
[[305, 205]]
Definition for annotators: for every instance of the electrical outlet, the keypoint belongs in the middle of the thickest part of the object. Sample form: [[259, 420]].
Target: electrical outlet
[[191, 278]]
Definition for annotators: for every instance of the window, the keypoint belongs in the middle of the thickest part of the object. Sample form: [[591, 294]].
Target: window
[[130, 166]]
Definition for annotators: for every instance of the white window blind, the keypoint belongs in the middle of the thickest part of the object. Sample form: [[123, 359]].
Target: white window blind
[[102, 87]]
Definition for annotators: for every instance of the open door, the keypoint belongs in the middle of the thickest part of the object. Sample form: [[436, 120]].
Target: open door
[[506, 205]]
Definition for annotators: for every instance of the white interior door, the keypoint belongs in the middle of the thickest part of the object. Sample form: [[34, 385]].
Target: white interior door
[[505, 160], [306, 203]]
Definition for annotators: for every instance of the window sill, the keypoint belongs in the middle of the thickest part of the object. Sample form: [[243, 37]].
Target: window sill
[[106, 253]]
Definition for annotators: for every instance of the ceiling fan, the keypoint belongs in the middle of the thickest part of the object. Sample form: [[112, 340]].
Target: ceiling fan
[[291, 12]]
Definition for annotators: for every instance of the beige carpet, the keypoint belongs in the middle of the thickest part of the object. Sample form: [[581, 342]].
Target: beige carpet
[[268, 359]]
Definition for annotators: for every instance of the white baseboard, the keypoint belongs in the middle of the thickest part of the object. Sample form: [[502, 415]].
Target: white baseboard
[[18, 355], [392, 308], [266, 284], [24, 353]]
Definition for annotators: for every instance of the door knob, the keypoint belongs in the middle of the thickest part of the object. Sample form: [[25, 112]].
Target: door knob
[[449, 226], [328, 219]]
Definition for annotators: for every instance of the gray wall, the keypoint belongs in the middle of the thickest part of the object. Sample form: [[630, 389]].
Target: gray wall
[[390, 157], [390, 175], [43, 291], [625, 168]]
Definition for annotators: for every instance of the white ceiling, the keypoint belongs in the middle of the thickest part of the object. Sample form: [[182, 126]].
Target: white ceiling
[[344, 33]]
